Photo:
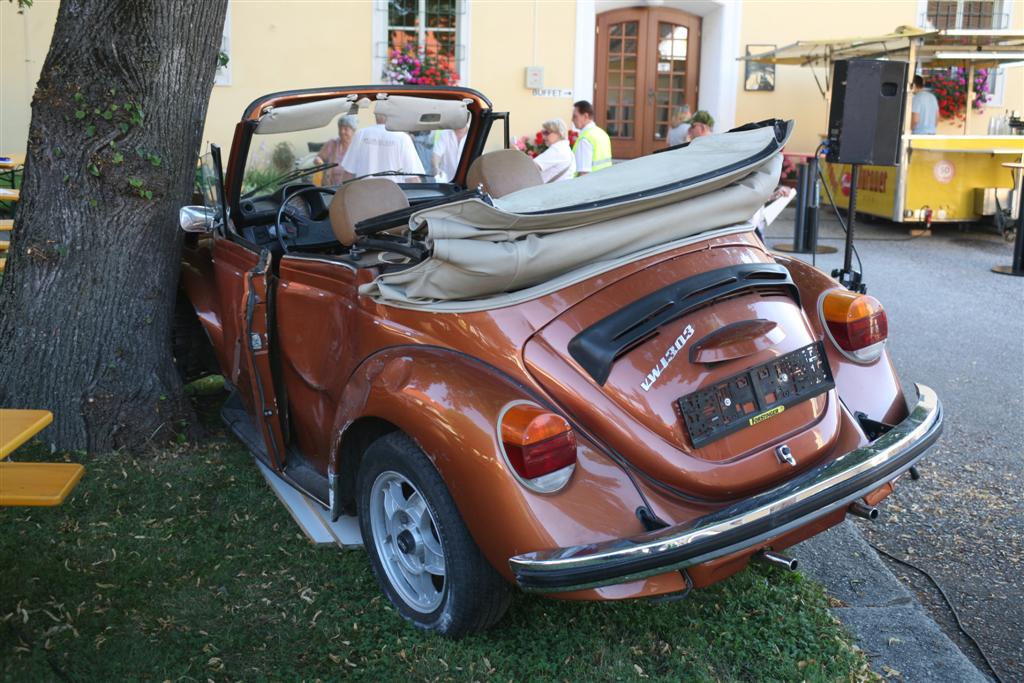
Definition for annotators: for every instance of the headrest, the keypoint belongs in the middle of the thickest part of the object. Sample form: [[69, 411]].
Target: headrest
[[503, 172], [361, 199]]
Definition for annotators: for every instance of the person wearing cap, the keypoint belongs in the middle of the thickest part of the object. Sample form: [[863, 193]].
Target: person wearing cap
[[333, 151], [593, 148], [557, 161]]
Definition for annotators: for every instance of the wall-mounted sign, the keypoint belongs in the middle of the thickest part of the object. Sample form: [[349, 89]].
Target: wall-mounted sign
[[552, 92]]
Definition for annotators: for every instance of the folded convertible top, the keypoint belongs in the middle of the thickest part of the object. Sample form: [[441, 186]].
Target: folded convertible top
[[532, 236]]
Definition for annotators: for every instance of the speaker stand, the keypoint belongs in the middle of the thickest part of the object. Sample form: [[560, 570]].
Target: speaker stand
[[1016, 267], [805, 228], [846, 275]]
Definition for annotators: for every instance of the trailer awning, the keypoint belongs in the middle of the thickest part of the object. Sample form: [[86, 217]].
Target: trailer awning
[[982, 48]]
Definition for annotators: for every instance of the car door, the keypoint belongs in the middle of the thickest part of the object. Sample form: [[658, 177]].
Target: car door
[[255, 369]]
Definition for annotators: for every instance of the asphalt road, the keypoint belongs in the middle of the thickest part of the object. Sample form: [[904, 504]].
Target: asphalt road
[[959, 328]]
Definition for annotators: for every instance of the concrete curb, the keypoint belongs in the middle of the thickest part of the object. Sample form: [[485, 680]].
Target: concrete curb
[[886, 620]]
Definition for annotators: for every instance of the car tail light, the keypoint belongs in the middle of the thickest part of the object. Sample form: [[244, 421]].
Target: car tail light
[[538, 443], [855, 322]]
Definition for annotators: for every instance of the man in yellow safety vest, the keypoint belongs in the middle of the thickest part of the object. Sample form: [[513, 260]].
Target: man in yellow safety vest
[[593, 148]]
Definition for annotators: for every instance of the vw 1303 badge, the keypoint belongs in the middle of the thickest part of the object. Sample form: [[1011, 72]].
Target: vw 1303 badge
[[670, 354]]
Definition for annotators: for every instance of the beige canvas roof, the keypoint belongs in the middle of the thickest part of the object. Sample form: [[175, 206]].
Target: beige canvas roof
[[533, 236]]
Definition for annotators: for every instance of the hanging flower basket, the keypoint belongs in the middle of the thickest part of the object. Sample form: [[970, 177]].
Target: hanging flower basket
[[407, 67], [950, 88]]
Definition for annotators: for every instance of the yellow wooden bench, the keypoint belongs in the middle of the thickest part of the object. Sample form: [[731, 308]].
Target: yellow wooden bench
[[37, 483], [9, 195], [3, 264], [31, 483], [6, 224]]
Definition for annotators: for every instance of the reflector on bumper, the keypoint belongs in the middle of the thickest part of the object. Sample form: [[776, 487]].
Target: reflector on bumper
[[801, 500]]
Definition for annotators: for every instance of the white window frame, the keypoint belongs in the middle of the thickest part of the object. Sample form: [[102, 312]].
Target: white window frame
[[380, 38], [997, 76]]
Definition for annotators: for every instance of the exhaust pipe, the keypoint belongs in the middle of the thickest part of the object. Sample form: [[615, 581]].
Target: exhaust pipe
[[777, 560], [861, 510]]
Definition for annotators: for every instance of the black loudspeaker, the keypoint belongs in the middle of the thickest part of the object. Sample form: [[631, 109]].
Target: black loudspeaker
[[865, 121]]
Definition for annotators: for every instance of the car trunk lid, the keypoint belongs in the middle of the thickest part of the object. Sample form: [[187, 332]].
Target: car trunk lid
[[694, 322]]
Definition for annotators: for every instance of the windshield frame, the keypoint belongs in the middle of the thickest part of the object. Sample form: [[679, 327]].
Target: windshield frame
[[245, 130]]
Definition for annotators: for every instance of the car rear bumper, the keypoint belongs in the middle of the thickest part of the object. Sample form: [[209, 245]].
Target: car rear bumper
[[741, 526]]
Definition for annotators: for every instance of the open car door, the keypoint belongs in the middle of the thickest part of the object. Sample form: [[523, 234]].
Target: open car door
[[256, 321]]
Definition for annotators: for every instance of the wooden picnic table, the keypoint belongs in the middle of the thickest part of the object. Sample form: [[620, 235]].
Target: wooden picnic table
[[31, 483], [9, 162]]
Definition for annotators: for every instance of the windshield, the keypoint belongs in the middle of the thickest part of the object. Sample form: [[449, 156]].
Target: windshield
[[350, 146]]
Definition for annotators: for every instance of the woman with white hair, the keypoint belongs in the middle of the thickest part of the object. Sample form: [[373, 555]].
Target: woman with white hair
[[333, 151], [557, 161]]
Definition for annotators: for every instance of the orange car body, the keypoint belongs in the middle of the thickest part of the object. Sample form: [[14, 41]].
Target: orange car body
[[320, 371]]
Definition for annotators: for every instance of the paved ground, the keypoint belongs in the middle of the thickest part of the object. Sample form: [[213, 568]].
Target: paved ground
[[958, 328]]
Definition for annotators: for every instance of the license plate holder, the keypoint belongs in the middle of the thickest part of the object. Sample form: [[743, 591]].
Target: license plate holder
[[756, 394]]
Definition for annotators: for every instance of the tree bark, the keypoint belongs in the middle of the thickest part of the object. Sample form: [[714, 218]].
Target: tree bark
[[88, 295]]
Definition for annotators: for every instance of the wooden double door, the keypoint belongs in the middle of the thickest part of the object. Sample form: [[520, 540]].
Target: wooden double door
[[648, 64]]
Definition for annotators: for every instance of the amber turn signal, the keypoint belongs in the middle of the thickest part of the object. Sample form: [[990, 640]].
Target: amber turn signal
[[856, 323], [536, 441]]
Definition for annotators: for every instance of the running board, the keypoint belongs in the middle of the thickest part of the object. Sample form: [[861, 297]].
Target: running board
[[302, 491], [312, 517]]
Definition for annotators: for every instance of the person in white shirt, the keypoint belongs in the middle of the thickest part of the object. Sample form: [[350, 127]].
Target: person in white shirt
[[447, 152], [557, 161], [375, 149]]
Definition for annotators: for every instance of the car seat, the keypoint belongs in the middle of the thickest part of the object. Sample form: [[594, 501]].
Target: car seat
[[503, 172], [361, 199]]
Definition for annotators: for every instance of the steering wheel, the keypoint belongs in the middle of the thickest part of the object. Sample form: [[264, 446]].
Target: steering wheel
[[296, 220]]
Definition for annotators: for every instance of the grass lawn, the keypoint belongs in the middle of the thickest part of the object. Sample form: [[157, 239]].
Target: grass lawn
[[184, 566]]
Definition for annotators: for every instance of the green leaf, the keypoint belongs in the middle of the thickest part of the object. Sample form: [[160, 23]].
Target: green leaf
[[78, 97], [148, 194], [90, 130], [117, 158], [108, 115], [79, 114], [135, 182], [93, 203], [58, 152], [94, 169], [154, 159], [123, 126]]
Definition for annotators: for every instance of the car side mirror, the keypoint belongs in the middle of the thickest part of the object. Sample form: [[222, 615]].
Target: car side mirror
[[196, 219]]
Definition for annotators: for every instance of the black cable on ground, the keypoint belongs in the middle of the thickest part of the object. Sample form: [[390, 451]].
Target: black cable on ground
[[949, 603]]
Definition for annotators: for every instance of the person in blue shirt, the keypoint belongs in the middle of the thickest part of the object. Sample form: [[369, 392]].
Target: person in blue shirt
[[924, 108]]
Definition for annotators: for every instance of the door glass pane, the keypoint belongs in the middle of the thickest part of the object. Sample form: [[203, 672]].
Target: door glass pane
[[669, 63], [621, 79]]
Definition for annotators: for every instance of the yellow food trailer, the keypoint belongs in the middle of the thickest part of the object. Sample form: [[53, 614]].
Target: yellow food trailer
[[939, 178]]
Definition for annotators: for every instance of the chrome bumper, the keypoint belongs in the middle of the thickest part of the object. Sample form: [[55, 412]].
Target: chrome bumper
[[801, 500]]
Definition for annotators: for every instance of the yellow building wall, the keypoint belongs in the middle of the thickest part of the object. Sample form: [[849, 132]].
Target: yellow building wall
[[506, 38], [288, 45], [24, 42], [796, 94], [292, 44]]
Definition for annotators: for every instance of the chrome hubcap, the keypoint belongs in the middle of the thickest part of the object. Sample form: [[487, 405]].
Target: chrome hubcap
[[405, 536]]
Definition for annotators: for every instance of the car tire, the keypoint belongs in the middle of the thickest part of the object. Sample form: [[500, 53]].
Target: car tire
[[420, 535]]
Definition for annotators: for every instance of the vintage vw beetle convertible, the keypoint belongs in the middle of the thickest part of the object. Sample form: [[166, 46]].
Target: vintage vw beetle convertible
[[598, 389]]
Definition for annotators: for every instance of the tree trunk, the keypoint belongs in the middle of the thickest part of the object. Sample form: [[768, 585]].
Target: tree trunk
[[87, 299]]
